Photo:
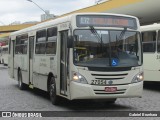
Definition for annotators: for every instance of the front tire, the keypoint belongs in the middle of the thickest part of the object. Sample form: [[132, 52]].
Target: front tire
[[52, 92], [21, 85]]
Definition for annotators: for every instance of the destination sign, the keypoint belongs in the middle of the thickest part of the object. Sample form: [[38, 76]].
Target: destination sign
[[106, 21]]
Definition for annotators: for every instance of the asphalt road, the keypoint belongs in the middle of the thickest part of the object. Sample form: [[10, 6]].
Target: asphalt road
[[13, 99]]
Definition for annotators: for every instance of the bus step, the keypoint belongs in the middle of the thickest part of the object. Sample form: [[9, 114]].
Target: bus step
[[31, 86]]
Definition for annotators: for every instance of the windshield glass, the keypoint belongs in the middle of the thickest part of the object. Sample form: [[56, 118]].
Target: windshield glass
[[105, 48]]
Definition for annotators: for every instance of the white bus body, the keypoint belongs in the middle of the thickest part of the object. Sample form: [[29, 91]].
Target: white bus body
[[151, 51], [0, 54], [65, 57], [4, 55]]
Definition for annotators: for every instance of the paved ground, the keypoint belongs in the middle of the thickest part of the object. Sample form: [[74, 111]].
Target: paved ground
[[13, 99]]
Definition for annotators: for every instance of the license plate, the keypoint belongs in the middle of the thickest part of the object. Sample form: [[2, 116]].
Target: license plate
[[98, 82], [110, 89]]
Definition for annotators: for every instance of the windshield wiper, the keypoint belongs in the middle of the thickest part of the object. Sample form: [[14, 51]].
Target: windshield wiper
[[121, 34], [101, 42], [98, 37], [96, 34]]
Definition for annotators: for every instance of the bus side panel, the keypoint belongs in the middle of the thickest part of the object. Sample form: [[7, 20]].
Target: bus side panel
[[151, 67], [20, 62], [40, 72], [42, 66]]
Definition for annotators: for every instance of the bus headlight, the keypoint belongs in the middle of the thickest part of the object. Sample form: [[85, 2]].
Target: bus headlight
[[138, 78], [79, 78]]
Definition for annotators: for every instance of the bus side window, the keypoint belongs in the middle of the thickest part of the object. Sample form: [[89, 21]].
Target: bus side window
[[41, 42], [149, 41], [21, 44], [51, 41]]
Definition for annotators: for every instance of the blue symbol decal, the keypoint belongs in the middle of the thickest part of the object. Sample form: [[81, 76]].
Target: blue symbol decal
[[114, 62]]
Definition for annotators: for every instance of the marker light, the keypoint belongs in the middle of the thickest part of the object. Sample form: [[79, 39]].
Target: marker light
[[138, 78], [75, 77], [79, 78]]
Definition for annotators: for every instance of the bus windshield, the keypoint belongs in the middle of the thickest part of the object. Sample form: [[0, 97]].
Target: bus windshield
[[107, 48]]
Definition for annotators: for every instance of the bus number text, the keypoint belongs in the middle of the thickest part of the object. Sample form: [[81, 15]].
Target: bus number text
[[84, 20]]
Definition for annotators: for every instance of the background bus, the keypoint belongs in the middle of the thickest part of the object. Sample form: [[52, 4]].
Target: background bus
[[4, 55], [151, 51], [81, 56], [0, 53]]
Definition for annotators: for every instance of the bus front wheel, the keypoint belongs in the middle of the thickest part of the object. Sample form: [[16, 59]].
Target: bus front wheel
[[52, 92]]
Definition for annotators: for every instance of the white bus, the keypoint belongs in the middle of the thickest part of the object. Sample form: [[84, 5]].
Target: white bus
[[81, 56], [151, 51], [4, 55], [0, 54]]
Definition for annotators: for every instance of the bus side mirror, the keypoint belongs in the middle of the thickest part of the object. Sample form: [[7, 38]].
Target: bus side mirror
[[70, 41]]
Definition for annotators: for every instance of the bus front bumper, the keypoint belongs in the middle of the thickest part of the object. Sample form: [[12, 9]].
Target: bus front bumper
[[86, 91]]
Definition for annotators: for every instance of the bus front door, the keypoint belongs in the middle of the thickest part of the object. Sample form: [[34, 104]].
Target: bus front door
[[63, 63]]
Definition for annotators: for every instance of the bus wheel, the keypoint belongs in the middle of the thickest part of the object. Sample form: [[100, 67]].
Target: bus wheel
[[21, 85], [52, 92]]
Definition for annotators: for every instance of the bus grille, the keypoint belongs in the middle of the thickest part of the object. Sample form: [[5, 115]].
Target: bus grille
[[109, 69], [117, 78], [103, 92], [110, 76]]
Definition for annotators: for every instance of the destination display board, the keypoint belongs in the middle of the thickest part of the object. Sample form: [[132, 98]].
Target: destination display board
[[105, 21]]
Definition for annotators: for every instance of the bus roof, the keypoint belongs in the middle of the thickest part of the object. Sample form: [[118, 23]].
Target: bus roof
[[61, 20], [154, 26]]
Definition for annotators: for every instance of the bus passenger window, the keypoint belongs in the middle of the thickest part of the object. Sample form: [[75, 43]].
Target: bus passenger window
[[51, 41], [51, 48], [40, 48], [24, 49], [21, 44], [18, 50], [149, 41], [41, 42]]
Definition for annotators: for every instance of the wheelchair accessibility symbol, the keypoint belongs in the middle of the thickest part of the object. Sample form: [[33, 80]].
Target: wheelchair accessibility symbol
[[114, 62]]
